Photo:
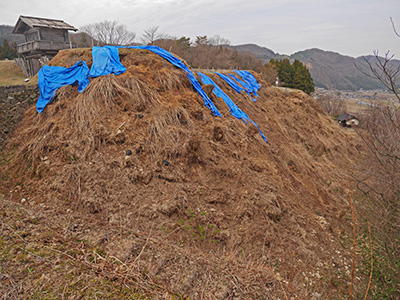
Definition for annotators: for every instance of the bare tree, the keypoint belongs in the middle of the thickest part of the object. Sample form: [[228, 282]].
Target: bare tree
[[379, 178], [332, 106], [109, 33], [269, 73], [387, 73], [217, 40], [151, 34]]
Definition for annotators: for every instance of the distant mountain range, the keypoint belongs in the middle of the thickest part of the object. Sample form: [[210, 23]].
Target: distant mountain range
[[6, 33], [328, 69]]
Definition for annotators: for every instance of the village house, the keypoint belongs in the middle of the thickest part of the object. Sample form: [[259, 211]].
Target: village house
[[347, 120], [43, 39]]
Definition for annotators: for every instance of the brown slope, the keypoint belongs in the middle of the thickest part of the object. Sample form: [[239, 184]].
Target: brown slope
[[203, 206]]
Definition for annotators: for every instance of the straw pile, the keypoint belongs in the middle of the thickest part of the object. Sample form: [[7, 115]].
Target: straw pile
[[187, 203]]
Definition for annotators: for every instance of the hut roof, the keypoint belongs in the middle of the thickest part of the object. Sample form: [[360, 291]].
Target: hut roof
[[345, 117], [24, 23]]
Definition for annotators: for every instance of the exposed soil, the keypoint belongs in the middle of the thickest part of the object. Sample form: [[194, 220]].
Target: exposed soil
[[134, 183]]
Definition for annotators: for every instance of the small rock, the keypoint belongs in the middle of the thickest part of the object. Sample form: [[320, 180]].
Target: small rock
[[23, 200]]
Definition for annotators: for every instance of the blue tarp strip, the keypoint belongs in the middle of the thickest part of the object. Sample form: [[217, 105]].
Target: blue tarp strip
[[243, 84], [250, 80], [233, 108], [231, 82], [106, 61], [178, 63], [51, 78]]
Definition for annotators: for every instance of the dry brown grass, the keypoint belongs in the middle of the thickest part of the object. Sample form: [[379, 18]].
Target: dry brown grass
[[10, 74], [202, 207]]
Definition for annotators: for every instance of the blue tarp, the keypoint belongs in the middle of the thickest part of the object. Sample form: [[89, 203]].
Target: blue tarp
[[106, 61], [231, 82], [233, 108], [247, 88], [178, 63], [241, 82], [250, 80], [247, 80], [51, 78]]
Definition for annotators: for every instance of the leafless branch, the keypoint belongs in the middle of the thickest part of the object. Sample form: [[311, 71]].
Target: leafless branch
[[383, 70], [109, 33], [151, 34], [394, 28]]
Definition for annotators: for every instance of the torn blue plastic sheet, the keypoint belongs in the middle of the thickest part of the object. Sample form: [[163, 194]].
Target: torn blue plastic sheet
[[241, 82], [247, 88], [233, 108], [106, 61], [50, 78], [250, 80], [231, 82], [189, 74]]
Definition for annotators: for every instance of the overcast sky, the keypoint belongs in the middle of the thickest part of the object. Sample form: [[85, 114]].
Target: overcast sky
[[350, 27]]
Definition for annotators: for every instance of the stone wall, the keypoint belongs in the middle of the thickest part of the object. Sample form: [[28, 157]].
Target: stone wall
[[14, 100]]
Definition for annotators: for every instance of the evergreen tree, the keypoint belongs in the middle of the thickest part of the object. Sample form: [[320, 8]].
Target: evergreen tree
[[294, 75], [6, 51]]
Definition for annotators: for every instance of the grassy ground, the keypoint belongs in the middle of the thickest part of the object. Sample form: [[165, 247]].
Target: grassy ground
[[58, 267], [10, 74]]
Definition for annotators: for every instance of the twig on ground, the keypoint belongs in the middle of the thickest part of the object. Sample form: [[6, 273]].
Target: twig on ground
[[372, 263], [14, 232], [354, 234], [277, 279]]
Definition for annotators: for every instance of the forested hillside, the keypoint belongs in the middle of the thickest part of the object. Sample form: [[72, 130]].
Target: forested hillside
[[328, 69], [6, 32]]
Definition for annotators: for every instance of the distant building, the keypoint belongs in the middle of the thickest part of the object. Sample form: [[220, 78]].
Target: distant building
[[43, 39], [347, 120]]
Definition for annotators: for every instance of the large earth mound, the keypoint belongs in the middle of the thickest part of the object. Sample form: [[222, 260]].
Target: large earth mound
[[138, 182]]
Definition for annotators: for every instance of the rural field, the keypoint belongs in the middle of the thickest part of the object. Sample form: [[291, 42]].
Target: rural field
[[10, 74]]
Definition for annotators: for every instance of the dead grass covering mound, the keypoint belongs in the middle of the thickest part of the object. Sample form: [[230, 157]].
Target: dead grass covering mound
[[181, 202]]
